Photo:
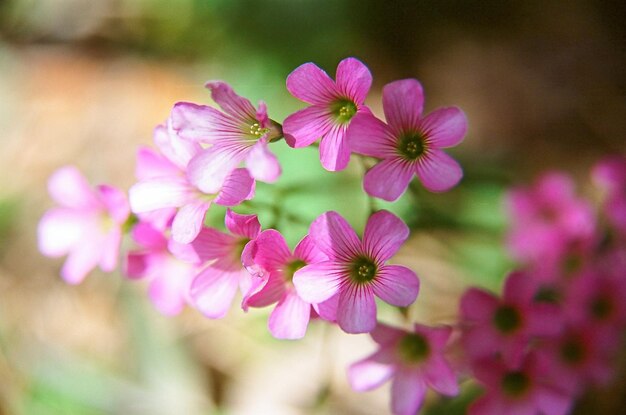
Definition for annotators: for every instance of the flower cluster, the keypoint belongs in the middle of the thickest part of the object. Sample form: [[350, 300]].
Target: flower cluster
[[550, 334]]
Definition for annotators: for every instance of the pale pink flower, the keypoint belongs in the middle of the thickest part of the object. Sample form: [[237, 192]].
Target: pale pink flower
[[169, 278], [239, 133], [214, 288], [409, 144], [333, 105], [87, 227], [356, 270], [526, 388], [493, 325], [164, 183], [414, 360], [270, 253]]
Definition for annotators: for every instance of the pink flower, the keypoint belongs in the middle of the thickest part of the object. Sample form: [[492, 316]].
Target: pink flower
[[493, 325], [415, 360], [214, 288], [523, 389], [164, 183], [548, 223], [610, 174], [269, 251], [356, 270], [333, 105], [87, 227], [169, 278], [240, 133], [409, 144]]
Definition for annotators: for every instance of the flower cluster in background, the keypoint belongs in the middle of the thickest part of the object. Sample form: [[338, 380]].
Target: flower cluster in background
[[551, 334]]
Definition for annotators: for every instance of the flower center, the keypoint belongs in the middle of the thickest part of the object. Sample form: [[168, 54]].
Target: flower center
[[291, 268], [343, 110], [515, 383], [601, 308], [412, 146], [257, 131], [239, 247], [363, 270], [572, 351], [547, 295], [414, 348], [507, 319]]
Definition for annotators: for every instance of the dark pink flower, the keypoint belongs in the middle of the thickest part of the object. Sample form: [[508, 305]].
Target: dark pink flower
[[414, 359], [164, 183], [269, 251], [214, 288], [239, 133], [409, 144], [333, 105], [492, 325], [526, 388], [356, 270], [87, 227]]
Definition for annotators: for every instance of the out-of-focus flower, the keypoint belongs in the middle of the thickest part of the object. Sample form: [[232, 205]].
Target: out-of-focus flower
[[240, 133], [504, 326], [610, 174], [356, 270], [214, 288], [164, 183], [333, 105], [409, 144], [269, 251], [414, 359], [87, 227]]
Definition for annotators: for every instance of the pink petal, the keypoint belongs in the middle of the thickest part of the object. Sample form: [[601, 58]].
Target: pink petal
[[438, 171], [271, 251], [370, 136], [334, 150], [188, 222], [357, 309], [316, 283], [551, 402], [290, 318], [159, 193], [261, 115], [69, 188], [389, 179], [477, 304], [444, 127], [304, 127], [311, 84], [308, 251], [386, 335], [59, 230], [264, 292], [353, 79], [242, 225], [327, 310], [407, 392], [210, 244], [487, 405], [236, 188], [384, 235], [396, 285], [440, 376], [115, 202], [173, 147], [205, 124], [151, 164], [213, 291], [519, 289], [234, 105], [335, 237], [110, 250], [136, 264], [83, 258], [369, 374], [169, 291], [262, 163], [208, 169], [403, 103], [148, 236]]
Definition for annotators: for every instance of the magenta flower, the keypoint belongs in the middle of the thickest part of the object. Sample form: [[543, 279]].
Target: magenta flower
[[290, 317], [87, 227], [164, 183], [214, 288], [333, 105], [169, 278], [408, 144], [240, 133], [415, 360], [505, 326], [523, 389], [356, 270]]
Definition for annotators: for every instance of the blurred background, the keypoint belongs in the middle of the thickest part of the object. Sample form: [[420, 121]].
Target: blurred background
[[84, 82]]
